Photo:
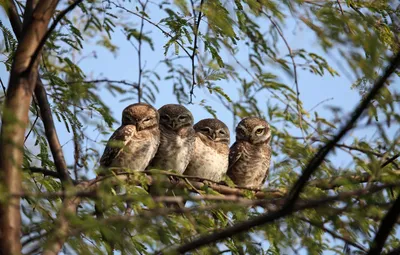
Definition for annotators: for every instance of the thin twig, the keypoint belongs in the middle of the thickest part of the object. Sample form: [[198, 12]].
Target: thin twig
[[139, 51], [196, 26], [32, 127], [46, 36], [333, 234], [300, 114], [323, 101], [154, 24], [106, 81], [4, 88], [45, 172]]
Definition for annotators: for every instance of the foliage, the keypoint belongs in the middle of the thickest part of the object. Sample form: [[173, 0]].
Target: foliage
[[201, 38]]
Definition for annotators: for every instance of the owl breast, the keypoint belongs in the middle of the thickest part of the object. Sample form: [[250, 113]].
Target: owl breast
[[139, 150], [174, 151], [252, 167], [210, 162]]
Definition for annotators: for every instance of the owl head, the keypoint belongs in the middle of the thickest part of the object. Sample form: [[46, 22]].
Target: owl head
[[253, 130], [175, 116], [214, 129], [143, 116]]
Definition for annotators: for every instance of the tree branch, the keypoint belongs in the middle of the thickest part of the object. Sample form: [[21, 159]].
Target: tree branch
[[333, 234], [277, 214], [53, 26], [307, 172], [44, 106], [18, 100], [385, 228], [45, 172], [194, 52], [60, 232], [323, 152], [300, 115], [139, 51], [51, 134], [106, 81]]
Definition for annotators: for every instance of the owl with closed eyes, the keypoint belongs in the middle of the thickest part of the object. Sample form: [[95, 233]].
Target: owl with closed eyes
[[136, 141], [176, 139], [250, 155], [210, 156], [131, 146]]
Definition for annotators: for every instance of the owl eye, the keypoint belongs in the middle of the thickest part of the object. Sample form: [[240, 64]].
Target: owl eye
[[222, 132], [147, 119], [163, 117], [182, 118], [205, 130], [259, 131]]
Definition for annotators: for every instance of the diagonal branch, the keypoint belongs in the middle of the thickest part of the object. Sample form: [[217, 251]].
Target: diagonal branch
[[385, 228], [316, 161], [312, 166], [19, 96], [296, 82], [333, 234], [51, 133], [277, 214], [44, 106], [53, 26], [196, 26]]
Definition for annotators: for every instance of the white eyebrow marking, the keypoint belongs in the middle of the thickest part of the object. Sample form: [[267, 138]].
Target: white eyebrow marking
[[259, 126]]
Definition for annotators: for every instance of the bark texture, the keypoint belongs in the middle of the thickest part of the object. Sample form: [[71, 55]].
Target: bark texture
[[14, 122]]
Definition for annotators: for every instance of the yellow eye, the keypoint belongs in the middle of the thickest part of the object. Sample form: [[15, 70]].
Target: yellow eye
[[259, 131]]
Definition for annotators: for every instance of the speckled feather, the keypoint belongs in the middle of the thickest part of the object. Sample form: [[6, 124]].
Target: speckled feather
[[129, 147], [250, 155], [177, 141], [249, 164], [175, 149], [210, 157]]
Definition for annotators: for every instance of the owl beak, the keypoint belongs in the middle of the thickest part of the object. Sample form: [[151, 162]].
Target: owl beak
[[214, 135], [173, 124]]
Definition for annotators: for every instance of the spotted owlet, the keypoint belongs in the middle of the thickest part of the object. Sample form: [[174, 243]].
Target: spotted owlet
[[135, 143], [210, 157], [176, 140], [132, 146], [250, 155]]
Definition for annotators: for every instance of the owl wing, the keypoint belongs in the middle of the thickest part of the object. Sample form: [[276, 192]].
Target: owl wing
[[234, 155], [191, 144], [121, 137], [268, 159]]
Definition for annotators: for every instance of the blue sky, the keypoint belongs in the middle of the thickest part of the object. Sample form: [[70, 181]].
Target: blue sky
[[123, 66]]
